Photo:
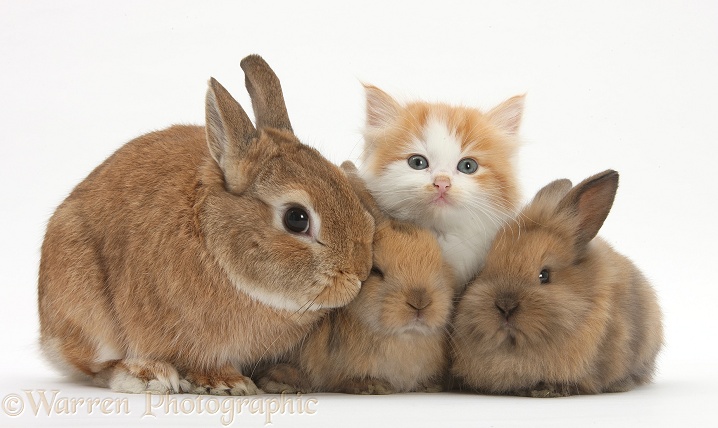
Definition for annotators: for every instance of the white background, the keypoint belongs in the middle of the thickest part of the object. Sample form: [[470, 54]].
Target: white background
[[611, 84]]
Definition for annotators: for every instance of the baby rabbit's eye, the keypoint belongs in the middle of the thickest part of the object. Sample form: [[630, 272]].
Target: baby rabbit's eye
[[544, 276], [296, 220], [376, 271], [418, 162]]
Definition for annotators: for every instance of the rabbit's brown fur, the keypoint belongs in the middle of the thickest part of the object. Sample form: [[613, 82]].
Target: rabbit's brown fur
[[168, 268], [392, 336], [594, 326]]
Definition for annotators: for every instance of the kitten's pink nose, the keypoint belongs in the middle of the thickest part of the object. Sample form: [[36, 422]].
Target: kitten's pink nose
[[442, 183]]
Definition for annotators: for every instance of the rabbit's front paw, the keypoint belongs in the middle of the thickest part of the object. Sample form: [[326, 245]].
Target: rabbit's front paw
[[283, 379], [138, 375], [548, 390], [430, 387], [369, 387], [224, 381]]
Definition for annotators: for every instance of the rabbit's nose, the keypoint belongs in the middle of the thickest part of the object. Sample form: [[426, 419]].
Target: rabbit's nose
[[507, 304], [418, 299]]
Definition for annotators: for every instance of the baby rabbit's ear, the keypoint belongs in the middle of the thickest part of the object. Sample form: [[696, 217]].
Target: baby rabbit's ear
[[550, 195], [367, 200], [265, 91], [229, 131], [589, 203]]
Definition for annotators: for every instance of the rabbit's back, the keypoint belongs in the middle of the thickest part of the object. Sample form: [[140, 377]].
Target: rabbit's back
[[634, 334]]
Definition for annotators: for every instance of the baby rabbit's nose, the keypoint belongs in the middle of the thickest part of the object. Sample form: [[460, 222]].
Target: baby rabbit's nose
[[418, 299], [507, 304]]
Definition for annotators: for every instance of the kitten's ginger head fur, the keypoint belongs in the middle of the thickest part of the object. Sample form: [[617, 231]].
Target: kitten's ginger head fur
[[464, 163], [447, 168]]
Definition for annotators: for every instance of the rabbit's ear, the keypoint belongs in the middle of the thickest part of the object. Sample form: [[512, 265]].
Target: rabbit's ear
[[265, 91], [365, 197], [589, 203], [229, 132], [550, 195]]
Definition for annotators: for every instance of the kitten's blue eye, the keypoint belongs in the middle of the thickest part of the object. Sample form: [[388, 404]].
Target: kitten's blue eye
[[467, 166], [418, 162]]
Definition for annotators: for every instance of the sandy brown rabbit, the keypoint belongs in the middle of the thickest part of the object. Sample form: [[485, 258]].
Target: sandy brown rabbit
[[556, 311], [193, 252], [392, 337]]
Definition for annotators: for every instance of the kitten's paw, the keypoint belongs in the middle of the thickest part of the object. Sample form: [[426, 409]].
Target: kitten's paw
[[136, 376], [224, 381]]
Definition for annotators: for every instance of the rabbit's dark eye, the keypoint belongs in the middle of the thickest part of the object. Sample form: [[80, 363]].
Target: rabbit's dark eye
[[376, 271], [418, 162], [296, 220], [544, 276], [467, 166]]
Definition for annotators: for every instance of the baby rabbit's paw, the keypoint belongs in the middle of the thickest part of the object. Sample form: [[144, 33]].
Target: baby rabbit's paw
[[368, 387], [283, 379], [224, 381], [548, 390], [429, 386]]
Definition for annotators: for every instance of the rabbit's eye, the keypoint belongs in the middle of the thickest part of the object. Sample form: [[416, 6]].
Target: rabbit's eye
[[376, 271], [467, 166], [296, 220], [418, 162], [544, 276]]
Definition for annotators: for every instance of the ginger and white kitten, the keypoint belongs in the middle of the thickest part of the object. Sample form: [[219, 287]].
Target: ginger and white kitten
[[449, 169]]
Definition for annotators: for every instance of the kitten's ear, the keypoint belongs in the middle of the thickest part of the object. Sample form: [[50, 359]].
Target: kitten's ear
[[507, 115], [381, 108]]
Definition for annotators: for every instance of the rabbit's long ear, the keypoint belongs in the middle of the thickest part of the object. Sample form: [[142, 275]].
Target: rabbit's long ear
[[365, 197], [589, 203], [551, 194], [229, 132], [265, 91]]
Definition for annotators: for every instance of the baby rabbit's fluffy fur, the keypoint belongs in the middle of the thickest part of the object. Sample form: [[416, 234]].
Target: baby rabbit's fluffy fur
[[556, 311]]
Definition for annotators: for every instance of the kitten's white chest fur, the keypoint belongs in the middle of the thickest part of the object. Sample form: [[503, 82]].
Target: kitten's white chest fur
[[465, 246]]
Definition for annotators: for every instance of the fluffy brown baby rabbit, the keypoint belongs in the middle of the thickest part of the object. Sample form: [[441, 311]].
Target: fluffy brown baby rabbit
[[555, 311], [194, 252], [392, 337]]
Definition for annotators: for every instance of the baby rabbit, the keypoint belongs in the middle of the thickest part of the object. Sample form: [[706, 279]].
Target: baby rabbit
[[392, 337], [557, 312], [193, 252]]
